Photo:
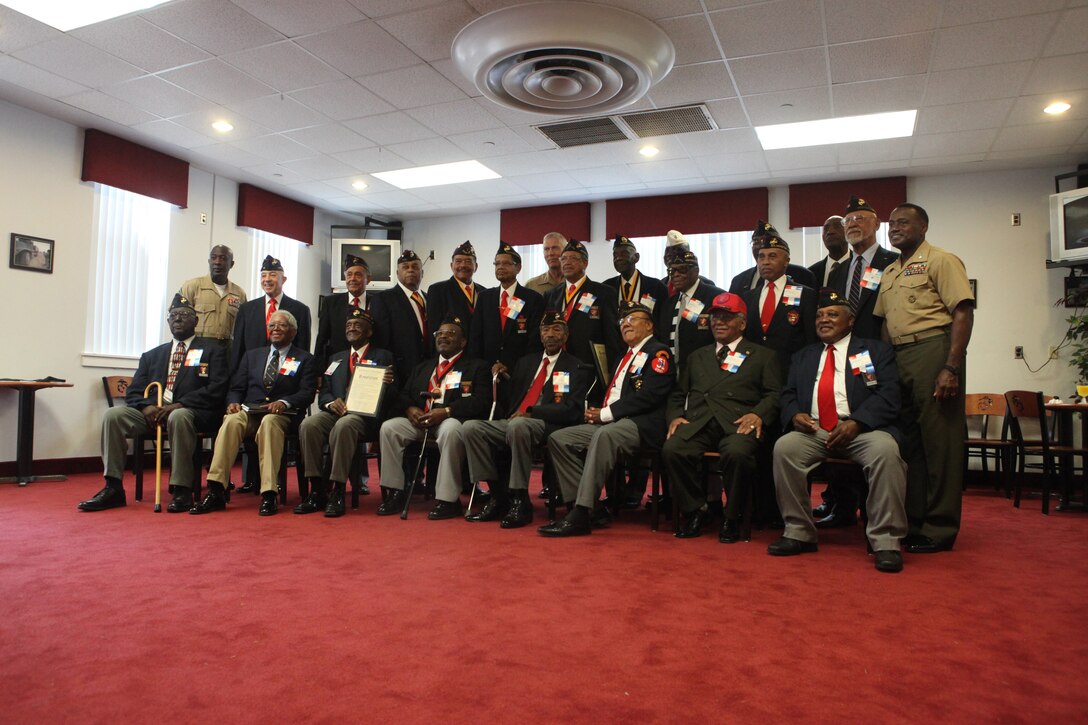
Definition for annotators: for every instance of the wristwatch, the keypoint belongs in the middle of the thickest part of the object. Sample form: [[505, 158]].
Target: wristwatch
[[954, 370]]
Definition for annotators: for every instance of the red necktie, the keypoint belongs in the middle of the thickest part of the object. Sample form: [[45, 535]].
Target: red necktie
[[175, 364], [536, 388], [768, 307], [502, 311], [470, 293], [355, 302], [571, 296], [268, 315], [352, 363], [418, 299], [825, 393], [620, 369], [436, 379]]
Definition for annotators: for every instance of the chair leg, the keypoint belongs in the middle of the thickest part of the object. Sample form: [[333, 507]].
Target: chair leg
[[138, 465], [655, 489]]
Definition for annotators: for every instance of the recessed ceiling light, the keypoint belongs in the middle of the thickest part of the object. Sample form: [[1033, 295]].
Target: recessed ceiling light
[[65, 15], [223, 126], [837, 130], [1057, 107], [648, 151], [437, 175], [358, 185]]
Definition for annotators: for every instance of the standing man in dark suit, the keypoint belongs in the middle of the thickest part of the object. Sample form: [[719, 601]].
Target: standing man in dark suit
[[400, 317], [630, 284], [193, 374], [676, 245], [632, 415], [589, 308], [838, 252], [727, 394], [750, 278], [548, 392], [842, 397], [683, 321], [344, 431], [251, 324], [458, 295], [269, 393], [337, 310], [439, 396]]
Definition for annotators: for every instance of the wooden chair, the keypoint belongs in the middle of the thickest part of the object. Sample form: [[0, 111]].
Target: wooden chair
[[1027, 405], [980, 443]]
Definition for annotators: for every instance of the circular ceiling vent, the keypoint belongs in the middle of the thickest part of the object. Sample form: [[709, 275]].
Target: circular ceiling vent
[[563, 58]]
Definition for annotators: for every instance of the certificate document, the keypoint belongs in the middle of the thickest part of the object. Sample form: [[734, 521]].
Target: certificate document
[[367, 390]]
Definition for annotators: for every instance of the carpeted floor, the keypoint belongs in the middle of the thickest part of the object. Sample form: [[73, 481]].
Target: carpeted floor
[[130, 616]]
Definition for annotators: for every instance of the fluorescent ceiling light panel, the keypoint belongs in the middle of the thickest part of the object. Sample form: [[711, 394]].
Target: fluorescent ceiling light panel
[[67, 15], [437, 175], [837, 130]]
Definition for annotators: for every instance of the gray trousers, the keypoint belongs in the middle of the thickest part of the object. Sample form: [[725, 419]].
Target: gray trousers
[[484, 437], [343, 434], [796, 454], [584, 456], [121, 423], [397, 433]]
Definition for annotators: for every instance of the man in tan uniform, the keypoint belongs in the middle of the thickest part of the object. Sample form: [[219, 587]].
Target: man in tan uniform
[[928, 310], [554, 242], [215, 298]]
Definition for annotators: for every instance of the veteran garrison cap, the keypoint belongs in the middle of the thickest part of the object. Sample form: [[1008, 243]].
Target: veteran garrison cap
[[622, 241], [764, 229], [830, 297], [181, 301], [505, 248], [352, 261], [858, 204], [271, 264], [452, 319], [774, 242], [683, 259], [465, 250], [674, 238], [358, 313], [729, 302], [628, 307], [407, 256], [553, 317], [575, 246]]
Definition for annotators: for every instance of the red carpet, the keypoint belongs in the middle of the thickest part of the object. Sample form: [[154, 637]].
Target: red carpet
[[130, 616]]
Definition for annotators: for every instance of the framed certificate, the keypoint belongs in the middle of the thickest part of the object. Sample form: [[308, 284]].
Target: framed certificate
[[367, 390]]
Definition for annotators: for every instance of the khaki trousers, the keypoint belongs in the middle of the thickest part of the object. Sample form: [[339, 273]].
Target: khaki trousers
[[269, 430]]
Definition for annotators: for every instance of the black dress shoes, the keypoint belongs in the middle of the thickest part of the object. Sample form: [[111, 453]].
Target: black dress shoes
[[269, 504], [545, 493], [839, 517], [693, 525], [822, 511], [576, 523], [182, 500], [250, 487], [393, 504], [110, 497], [520, 513], [790, 547], [729, 532], [924, 545], [446, 510], [889, 561], [601, 518], [214, 500], [314, 502], [335, 507], [492, 511], [364, 490]]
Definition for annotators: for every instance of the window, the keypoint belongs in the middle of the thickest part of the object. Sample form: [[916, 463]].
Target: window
[[283, 249], [722, 255], [128, 277], [532, 262]]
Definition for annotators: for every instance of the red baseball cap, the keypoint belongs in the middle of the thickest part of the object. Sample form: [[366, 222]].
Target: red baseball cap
[[730, 303]]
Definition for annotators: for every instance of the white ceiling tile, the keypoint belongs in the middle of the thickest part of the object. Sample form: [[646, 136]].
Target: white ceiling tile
[[201, 122], [461, 116], [693, 84], [851, 20], [217, 81], [317, 189], [1071, 35], [284, 66], [330, 138], [693, 38], [666, 169], [418, 85], [891, 166], [653, 9], [728, 113], [513, 117], [742, 31], [381, 8], [804, 158], [389, 128], [429, 151], [959, 142], [800, 176], [499, 188], [276, 173], [319, 167], [1040, 135], [1048, 156], [941, 161], [156, 96], [137, 41], [398, 199], [358, 49], [454, 75], [108, 107], [217, 27], [19, 31], [893, 94], [605, 176], [78, 61], [780, 71], [293, 18], [547, 181], [903, 55], [226, 153], [803, 104], [862, 152], [976, 84], [1029, 109], [274, 147], [341, 100], [429, 33], [534, 138], [584, 157], [680, 186], [492, 142], [371, 160], [279, 113], [1061, 73], [730, 141], [999, 41], [40, 81], [961, 12], [446, 193], [722, 164], [172, 133], [374, 185], [963, 116], [532, 164]]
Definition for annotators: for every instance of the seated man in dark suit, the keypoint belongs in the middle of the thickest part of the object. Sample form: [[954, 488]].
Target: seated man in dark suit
[[842, 399], [751, 279], [633, 415], [333, 423], [193, 374], [727, 394], [269, 393], [439, 396], [338, 308], [548, 392]]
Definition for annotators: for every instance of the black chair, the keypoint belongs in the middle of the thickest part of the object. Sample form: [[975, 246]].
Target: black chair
[[1057, 460]]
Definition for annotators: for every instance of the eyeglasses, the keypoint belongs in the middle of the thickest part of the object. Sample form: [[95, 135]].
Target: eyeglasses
[[180, 315], [632, 318], [855, 218], [278, 325]]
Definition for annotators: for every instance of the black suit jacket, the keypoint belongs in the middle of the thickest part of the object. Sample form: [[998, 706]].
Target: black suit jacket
[[296, 390], [471, 400], [337, 383], [705, 392], [655, 288], [743, 281], [820, 267], [693, 335], [202, 387], [559, 409], [875, 408], [791, 328], [250, 331], [445, 297], [866, 324], [599, 324], [331, 316], [396, 330], [490, 342], [644, 393]]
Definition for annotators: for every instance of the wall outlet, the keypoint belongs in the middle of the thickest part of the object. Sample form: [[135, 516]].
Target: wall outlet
[[1018, 352], [1015, 220], [203, 218]]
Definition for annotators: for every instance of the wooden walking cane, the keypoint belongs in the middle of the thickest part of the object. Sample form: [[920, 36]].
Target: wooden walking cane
[[158, 448]]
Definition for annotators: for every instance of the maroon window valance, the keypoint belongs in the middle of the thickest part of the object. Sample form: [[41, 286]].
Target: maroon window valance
[[125, 165], [812, 204], [707, 212], [528, 225], [275, 214]]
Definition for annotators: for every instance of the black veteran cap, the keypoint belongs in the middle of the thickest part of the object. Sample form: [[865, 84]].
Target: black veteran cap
[[465, 250], [352, 261], [575, 246], [764, 229], [505, 248], [553, 317], [683, 259], [358, 313], [181, 301], [774, 242], [829, 297], [271, 264], [622, 241], [858, 204], [628, 307], [452, 319], [407, 256]]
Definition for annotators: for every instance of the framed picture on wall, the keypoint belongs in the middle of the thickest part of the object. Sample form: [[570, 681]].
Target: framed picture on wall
[[33, 254]]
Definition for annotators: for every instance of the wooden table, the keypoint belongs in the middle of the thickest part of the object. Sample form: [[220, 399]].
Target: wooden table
[[1065, 412], [24, 456]]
